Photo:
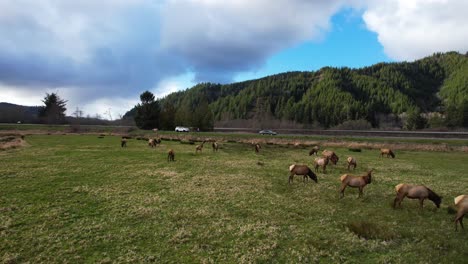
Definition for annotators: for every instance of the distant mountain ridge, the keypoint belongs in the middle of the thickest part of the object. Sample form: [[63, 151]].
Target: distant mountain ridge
[[331, 96]]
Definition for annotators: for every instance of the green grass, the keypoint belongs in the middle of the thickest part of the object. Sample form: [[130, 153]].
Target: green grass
[[77, 198]]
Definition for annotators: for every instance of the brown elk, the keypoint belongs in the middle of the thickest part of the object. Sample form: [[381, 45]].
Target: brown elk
[[351, 162], [331, 155], [152, 142], [321, 162], [123, 142], [314, 150], [387, 152], [257, 148], [301, 170], [199, 147], [355, 182], [420, 192], [215, 146], [461, 202], [170, 155]]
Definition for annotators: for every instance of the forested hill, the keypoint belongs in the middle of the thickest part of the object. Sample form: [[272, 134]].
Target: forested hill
[[382, 93]]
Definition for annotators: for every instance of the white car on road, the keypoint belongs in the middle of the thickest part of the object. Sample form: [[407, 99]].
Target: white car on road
[[182, 129]]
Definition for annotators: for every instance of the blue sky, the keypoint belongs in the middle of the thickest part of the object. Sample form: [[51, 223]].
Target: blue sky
[[348, 44], [102, 55]]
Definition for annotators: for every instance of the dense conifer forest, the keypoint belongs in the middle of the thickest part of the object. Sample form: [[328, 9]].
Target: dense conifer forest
[[427, 93]]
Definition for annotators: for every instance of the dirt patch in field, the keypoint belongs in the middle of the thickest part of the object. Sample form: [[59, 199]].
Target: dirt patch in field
[[12, 141]]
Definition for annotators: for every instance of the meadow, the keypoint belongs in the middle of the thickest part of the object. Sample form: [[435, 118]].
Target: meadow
[[80, 198]]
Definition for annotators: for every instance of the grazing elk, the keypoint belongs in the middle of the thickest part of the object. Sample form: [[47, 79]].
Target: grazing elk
[[321, 162], [199, 147], [387, 152], [170, 155], [461, 202], [420, 192], [123, 142], [153, 142], [314, 150], [355, 182], [257, 148], [215, 146], [301, 170], [331, 155], [351, 162]]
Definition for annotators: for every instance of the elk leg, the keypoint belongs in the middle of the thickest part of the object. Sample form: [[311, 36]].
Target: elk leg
[[421, 203], [291, 178], [360, 191], [342, 189]]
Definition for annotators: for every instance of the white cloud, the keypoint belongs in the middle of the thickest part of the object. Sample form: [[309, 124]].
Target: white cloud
[[216, 37], [412, 29]]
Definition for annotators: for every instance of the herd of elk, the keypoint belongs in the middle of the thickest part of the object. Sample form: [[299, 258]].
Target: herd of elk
[[420, 192]]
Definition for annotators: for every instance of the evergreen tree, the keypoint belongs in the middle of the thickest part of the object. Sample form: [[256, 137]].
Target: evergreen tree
[[54, 110], [147, 113]]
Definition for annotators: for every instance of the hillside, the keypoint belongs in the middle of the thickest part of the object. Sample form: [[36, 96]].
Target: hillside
[[12, 113], [384, 94]]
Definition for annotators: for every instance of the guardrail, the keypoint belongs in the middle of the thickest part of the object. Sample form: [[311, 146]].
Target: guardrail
[[362, 133]]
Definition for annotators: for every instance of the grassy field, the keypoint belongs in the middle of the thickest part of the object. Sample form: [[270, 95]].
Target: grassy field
[[78, 198]]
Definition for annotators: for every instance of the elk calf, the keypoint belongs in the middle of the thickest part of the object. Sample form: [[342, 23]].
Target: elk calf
[[123, 142]]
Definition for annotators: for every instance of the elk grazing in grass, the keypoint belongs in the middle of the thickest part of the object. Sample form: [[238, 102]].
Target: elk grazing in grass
[[355, 182], [152, 142], [170, 155], [351, 162], [420, 192], [257, 148], [199, 147], [387, 152], [215, 146], [331, 155], [321, 162], [123, 142], [314, 150], [461, 202], [301, 170]]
